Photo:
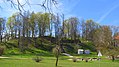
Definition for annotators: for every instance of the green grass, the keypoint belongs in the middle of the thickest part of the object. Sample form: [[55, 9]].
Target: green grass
[[26, 61]]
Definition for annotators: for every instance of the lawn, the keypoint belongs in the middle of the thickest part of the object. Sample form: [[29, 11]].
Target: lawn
[[23, 61]]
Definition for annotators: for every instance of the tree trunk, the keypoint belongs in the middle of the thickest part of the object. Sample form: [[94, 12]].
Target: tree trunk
[[35, 41], [27, 34], [19, 38], [113, 58], [0, 33], [12, 34], [39, 32], [15, 35], [56, 61], [33, 33], [0, 38]]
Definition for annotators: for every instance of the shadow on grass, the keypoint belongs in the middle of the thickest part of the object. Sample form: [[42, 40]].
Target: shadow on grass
[[59, 66]]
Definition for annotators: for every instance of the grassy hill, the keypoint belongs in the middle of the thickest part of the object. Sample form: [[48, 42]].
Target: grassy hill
[[44, 45]]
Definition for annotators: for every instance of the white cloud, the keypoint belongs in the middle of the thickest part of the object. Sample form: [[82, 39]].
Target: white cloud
[[107, 13], [71, 4], [68, 7]]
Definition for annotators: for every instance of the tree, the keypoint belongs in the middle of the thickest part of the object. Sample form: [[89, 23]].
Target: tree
[[83, 27], [57, 52], [32, 24], [71, 27], [25, 31], [39, 22], [43, 21], [114, 48], [74, 24], [52, 17], [88, 28], [66, 28], [2, 27], [10, 25], [104, 41], [98, 39], [19, 28]]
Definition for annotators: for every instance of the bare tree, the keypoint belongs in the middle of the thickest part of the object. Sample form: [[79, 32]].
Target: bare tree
[[57, 52]]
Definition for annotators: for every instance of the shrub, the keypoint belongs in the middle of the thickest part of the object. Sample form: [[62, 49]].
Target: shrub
[[37, 59], [74, 59], [86, 59], [12, 52], [1, 51]]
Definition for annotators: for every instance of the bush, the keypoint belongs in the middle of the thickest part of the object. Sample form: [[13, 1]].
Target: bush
[[86, 60], [12, 52], [74, 59], [1, 51], [37, 59]]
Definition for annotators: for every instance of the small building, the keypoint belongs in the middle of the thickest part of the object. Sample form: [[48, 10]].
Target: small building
[[80, 51], [87, 51]]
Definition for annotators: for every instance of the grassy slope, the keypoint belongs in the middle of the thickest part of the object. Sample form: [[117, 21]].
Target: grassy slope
[[47, 45], [11, 48]]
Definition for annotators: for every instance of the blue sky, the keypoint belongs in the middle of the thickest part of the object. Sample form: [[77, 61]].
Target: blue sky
[[105, 12], [101, 11]]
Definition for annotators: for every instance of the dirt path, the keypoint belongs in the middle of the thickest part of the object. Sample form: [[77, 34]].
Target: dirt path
[[67, 55], [3, 57]]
